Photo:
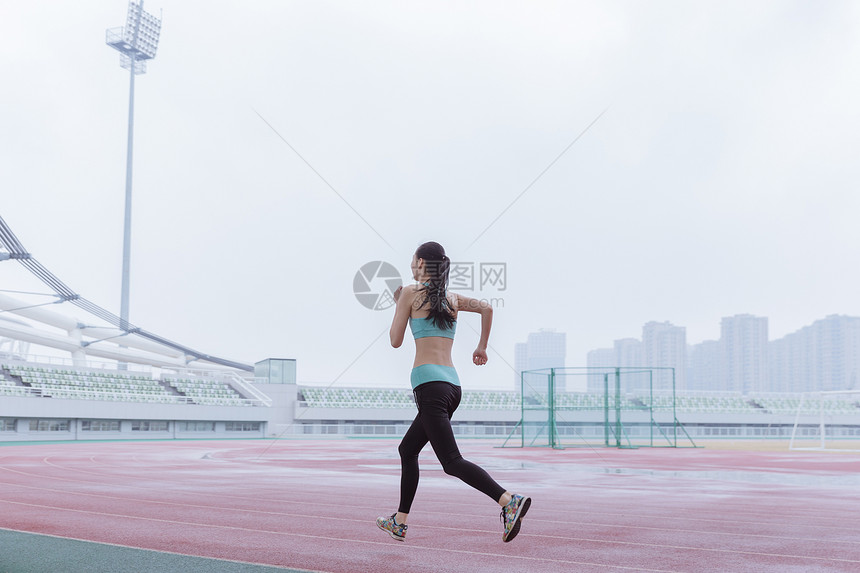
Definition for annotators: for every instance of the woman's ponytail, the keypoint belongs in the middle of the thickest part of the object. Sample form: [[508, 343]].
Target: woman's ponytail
[[437, 265]]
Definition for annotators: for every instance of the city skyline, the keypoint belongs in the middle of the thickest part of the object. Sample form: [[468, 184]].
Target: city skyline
[[821, 356]]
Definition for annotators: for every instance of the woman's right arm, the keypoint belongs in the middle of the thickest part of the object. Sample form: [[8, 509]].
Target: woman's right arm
[[404, 297]]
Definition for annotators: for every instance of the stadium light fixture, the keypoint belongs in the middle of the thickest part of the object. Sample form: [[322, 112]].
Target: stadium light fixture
[[137, 43]]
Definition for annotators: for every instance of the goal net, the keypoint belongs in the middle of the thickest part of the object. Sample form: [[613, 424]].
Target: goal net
[[620, 407], [827, 421]]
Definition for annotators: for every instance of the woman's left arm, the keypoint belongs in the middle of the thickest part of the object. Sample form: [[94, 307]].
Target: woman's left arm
[[464, 303]]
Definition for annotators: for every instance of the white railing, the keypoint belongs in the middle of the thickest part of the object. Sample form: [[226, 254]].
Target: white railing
[[55, 361], [229, 377], [489, 431], [249, 389], [72, 393]]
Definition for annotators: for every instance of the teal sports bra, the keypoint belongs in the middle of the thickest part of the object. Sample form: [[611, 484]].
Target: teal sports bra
[[424, 327]]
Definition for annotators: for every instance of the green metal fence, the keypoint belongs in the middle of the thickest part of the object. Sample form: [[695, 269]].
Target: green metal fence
[[621, 407]]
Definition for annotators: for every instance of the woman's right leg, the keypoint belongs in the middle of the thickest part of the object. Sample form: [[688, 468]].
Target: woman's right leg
[[439, 400]]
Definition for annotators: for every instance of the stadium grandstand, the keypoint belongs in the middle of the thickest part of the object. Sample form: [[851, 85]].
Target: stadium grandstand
[[119, 381], [47, 401]]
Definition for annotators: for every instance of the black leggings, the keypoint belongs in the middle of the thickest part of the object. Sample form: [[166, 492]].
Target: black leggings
[[436, 403]]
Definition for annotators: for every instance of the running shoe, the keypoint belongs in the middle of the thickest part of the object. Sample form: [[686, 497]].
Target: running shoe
[[512, 514], [394, 529]]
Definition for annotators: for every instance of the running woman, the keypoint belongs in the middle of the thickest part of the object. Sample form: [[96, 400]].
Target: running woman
[[431, 313]]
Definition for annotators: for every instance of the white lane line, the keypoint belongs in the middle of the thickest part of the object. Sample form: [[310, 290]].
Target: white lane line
[[120, 545], [413, 547], [600, 541], [464, 515], [447, 514]]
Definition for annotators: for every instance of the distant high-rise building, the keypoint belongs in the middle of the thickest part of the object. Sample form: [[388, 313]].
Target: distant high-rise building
[[546, 349], [665, 345], [628, 352], [543, 349], [820, 357], [704, 366], [521, 361], [600, 358], [788, 365], [743, 345]]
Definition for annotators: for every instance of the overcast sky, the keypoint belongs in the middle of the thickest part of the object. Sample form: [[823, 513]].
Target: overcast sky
[[721, 177]]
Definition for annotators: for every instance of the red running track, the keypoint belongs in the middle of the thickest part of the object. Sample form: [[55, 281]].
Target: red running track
[[312, 505]]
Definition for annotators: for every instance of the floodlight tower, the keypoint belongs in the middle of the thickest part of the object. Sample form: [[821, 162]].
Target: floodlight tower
[[136, 43]]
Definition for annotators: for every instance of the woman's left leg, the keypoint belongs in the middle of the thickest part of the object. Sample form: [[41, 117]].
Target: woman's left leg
[[413, 442]]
